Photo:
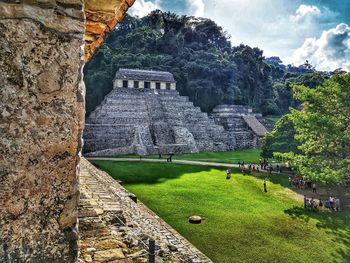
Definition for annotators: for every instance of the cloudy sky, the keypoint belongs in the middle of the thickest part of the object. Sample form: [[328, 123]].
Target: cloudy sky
[[295, 30]]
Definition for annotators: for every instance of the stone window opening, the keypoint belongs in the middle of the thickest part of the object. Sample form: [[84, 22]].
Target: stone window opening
[[125, 83], [147, 85], [136, 84], [157, 85], [167, 85]]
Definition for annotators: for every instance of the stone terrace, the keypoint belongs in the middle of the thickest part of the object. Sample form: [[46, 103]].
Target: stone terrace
[[113, 228]]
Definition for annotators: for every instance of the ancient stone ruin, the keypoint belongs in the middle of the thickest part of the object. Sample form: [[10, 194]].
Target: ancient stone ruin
[[43, 47], [241, 125], [41, 121], [144, 114]]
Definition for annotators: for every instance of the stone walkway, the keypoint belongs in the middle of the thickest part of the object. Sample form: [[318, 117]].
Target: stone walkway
[[113, 228]]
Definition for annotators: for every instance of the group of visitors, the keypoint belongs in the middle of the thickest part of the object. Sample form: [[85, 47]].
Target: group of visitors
[[246, 169], [301, 183], [333, 203], [264, 165]]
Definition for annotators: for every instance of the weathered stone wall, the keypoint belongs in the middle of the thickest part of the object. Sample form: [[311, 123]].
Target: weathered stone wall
[[41, 122], [116, 229], [41, 111]]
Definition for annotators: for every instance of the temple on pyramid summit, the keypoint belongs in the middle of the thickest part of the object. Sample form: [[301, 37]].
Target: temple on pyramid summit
[[144, 114]]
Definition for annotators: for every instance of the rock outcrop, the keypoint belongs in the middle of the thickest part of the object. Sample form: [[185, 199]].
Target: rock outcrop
[[41, 123]]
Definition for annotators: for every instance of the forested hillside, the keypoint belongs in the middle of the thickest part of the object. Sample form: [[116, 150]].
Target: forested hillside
[[199, 54]]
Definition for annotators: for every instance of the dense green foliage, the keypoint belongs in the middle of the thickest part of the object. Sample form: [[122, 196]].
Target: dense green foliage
[[280, 139], [243, 224], [323, 130], [196, 50], [283, 88], [316, 138]]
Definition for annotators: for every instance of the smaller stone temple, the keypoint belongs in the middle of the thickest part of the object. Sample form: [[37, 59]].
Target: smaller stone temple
[[242, 125], [144, 79]]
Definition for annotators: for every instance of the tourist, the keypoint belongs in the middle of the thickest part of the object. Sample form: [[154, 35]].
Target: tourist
[[243, 169], [290, 181], [228, 173], [337, 204], [278, 169], [239, 164], [320, 203], [265, 190], [314, 188], [270, 169], [305, 200], [314, 205], [331, 202], [301, 183], [170, 158]]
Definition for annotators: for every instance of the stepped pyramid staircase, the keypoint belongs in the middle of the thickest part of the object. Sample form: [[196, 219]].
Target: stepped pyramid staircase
[[255, 125], [150, 121]]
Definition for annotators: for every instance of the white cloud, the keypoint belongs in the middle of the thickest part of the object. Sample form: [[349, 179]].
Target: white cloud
[[329, 52], [143, 7], [306, 12], [196, 7]]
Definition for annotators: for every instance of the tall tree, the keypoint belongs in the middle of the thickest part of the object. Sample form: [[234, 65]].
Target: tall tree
[[323, 130]]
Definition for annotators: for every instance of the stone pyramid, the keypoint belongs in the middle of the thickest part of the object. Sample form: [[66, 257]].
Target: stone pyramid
[[147, 121]]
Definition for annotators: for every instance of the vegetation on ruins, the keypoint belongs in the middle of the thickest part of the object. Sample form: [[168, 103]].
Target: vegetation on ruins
[[316, 138], [199, 54], [241, 221]]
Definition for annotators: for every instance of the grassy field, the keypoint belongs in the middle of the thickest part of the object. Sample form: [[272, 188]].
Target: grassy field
[[243, 224], [248, 156]]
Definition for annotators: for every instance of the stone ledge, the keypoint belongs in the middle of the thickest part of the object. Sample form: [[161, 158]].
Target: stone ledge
[[102, 195]]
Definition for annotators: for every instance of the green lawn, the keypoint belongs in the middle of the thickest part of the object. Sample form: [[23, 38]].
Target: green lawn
[[247, 155], [243, 224]]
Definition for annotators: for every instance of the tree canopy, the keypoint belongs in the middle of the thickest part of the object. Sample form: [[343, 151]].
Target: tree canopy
[[319, 133], [196, 50]]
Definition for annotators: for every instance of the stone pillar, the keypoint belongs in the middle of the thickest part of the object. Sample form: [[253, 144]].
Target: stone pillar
[[130, 84], [41, 121], [118, 83], [153, 85], [173, 86], [162, 85], [141, 84]]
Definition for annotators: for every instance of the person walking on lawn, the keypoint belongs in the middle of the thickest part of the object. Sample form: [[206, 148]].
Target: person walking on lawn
[[244, 169], [228, 173], [314, 188], [265, 189]]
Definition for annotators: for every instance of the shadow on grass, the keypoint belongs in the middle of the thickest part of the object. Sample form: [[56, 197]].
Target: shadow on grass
[[152, 173], [335, 224]]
